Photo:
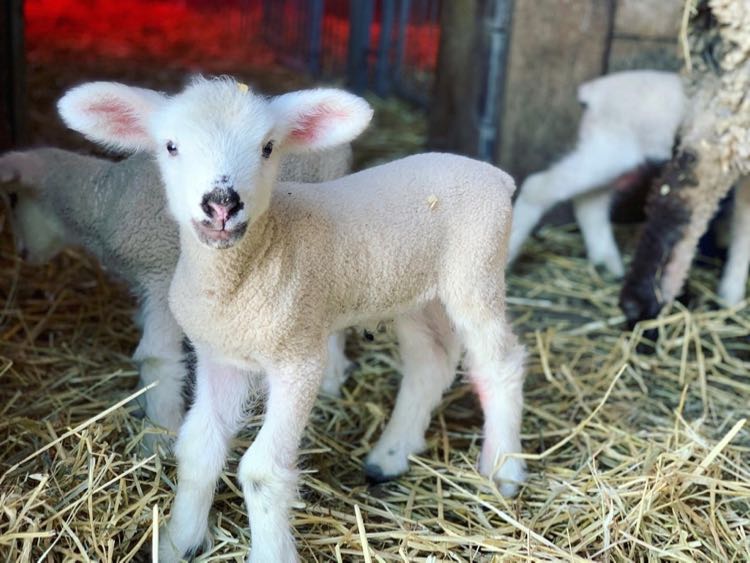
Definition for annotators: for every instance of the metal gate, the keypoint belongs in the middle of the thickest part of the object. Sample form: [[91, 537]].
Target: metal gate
[[390, 46]]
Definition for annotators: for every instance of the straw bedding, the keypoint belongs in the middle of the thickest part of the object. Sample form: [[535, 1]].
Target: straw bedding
[[631, 455]]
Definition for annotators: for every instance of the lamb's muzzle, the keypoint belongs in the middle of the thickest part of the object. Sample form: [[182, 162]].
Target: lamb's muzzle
[[221, 228]]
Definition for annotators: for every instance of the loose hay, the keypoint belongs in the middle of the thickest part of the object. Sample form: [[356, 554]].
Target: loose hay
[[631, 456]]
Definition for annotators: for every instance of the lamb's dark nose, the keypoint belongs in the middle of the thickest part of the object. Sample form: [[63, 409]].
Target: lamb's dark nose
[[221, 204]]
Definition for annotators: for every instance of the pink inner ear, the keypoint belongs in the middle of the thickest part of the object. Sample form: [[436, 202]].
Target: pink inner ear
[[118, 117], [310, 126]]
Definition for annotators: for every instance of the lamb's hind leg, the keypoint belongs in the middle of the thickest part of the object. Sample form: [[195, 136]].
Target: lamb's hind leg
[[734, 279], [592, 214], [338, 367], [429, 354], [495, 360]]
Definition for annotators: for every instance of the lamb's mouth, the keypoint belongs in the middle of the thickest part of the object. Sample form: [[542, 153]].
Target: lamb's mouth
[[209, 235]]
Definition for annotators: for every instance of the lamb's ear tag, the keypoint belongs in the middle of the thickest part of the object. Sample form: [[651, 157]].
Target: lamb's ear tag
[[243, 88]]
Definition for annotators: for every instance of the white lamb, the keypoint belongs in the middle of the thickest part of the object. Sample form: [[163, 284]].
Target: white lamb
[[630, 118], [64, 199], [268, 270]]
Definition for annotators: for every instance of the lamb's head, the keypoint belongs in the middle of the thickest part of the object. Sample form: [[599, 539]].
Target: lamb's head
[[38, 229], [218, 144]]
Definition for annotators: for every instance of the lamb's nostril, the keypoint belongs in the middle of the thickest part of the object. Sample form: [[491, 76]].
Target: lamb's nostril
[[218, 211], [221, 204]]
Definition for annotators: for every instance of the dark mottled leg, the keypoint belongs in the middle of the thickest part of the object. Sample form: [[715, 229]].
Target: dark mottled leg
[[668, 214]]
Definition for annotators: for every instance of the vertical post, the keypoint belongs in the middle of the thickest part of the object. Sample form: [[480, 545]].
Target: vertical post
[[360, 20], [382, 81], [317, 8], [550, 52], [454, 119], [490, 122], [403, 22], [268, 21], [12, 75]]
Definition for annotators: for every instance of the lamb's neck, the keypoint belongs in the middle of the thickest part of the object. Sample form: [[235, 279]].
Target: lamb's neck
[[226, 269]]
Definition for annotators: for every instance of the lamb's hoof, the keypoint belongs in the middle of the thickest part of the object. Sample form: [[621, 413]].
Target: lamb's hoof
[[647, 344], [157, 443], [638, 304], [509, 477], [387, 460], [375, 474], [610, 263], [169, 553]]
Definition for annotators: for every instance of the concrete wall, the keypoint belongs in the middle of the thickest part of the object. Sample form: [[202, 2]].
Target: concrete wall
[[557, 44], [645, 35]]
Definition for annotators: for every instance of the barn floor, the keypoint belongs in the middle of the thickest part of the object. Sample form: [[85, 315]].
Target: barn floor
[[631, 455]]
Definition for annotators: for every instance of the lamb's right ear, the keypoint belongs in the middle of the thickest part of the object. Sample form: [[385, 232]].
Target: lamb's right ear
[[111, 114]]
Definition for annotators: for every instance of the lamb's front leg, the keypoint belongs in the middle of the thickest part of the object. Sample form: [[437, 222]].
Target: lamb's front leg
[[267, 471], [201, 449], [160, 358]]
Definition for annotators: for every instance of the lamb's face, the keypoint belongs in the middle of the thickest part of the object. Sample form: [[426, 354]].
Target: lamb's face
[[215, 149]]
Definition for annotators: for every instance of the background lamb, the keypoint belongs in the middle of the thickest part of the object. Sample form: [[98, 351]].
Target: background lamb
[[63, 199], [627, 131], [409, 242], [713, 155], [629, 120]]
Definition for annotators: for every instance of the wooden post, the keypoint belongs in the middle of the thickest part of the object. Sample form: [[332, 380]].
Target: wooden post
[[454, 119], [554, 46], [12, 75]]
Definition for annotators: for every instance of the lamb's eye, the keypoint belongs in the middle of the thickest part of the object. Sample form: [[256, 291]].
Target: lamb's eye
[[268, 149], [171, 148]]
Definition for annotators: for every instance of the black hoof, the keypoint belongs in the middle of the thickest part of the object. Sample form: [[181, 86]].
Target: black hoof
[[638, 303], [647, 345], [375, 475]]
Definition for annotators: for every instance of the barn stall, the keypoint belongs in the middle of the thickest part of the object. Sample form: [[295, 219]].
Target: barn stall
[[634, 452]]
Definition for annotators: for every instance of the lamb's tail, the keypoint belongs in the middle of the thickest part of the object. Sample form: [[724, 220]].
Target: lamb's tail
[[19, 170]]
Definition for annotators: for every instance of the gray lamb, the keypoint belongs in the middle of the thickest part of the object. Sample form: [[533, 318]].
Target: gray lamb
[[117, 211]]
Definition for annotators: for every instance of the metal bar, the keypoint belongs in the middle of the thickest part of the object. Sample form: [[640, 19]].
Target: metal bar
[[382, 65], [497, 28], [317, 7], [360, 18], [403, 21]]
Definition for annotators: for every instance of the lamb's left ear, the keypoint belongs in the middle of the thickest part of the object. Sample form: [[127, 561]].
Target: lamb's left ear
[[317, 119], [111, 114]]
